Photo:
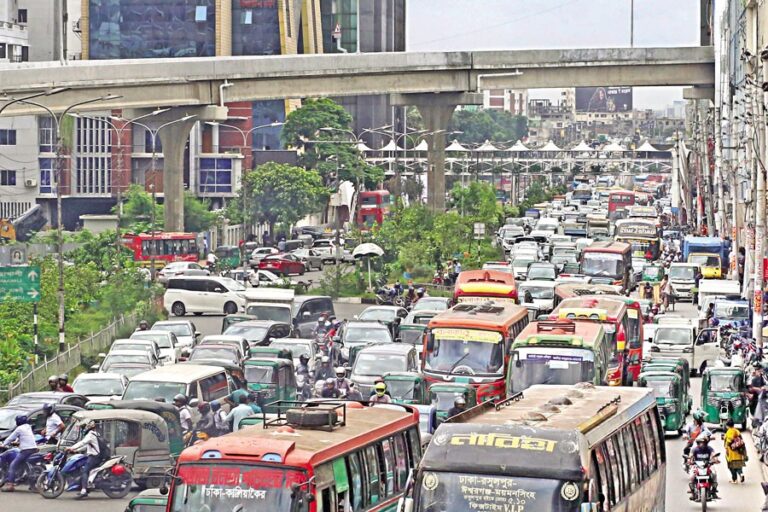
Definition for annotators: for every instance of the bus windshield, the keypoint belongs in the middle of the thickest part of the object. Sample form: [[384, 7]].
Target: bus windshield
[[447, 492], [466, 351], [541, 365], [602, 264], [221, 486]]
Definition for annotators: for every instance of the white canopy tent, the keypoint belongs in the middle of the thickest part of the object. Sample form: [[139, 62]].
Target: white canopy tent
[[550, 146]]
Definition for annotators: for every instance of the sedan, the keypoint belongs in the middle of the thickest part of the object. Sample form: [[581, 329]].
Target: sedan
[[260, 253], [310, 257], [432, 304], [185, 331], [282, 264], [166, 341], [126, 356], [180, 268], [217, 351], [100, 387]]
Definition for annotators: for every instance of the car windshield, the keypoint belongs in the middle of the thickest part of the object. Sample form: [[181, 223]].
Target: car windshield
[[540, 365], [522, 262], [249, 332], [218, 487], [8, 418], [295, 348], [258, 374], [128, 371], [213, 353], [726, 382], [379, 364], [662, 388], [538, 292], [401, 389], [682, 273], [162, 340], [673, 336], [427, 304], [131, 346], [125, 358], [177, 329], [386, 315], [444, 400], [412, 336], [98, 387], [359, 334], [600, 264], [704, 260], [269, 313], [729, 311], [232, 285], [542, 273], [148, 390], [466, 351], [449, 492]]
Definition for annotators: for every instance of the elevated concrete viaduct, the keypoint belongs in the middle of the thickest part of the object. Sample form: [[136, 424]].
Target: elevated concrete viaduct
[[195, 82]]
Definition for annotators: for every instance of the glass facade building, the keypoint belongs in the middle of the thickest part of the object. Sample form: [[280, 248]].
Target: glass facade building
[[255, 27], [139, 29]]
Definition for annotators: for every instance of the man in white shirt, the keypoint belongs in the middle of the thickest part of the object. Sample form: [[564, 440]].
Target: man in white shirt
[[89, 443], [27, 446], [185, 416], [53, 424], [243, 410]]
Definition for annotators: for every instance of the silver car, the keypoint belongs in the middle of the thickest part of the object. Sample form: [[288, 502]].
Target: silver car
[[311, 258], [180, 268]]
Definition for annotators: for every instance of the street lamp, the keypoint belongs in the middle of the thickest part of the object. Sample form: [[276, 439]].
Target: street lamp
[[119, 132], [59, 227], [154, 132]]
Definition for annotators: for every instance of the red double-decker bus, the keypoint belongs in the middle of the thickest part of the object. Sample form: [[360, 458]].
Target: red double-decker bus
[[374, 208], [166, 247], [618, 201], [470, 343], [307, 457]]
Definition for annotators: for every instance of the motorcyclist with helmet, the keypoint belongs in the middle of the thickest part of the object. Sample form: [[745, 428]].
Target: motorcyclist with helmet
[[53, 383], [27, 446], [330, 390], [694, 429], [185, 416], [324, 371], [380, 395], [342, 382], [303, 367], [143, 326], [64, 383], [89, 443], [702, 452], [53, 424], [459, 406]]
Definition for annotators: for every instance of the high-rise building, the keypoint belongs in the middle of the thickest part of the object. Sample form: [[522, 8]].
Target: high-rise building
[[514, 101]]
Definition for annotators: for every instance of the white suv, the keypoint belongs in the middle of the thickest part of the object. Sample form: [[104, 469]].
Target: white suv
[[204, 294]]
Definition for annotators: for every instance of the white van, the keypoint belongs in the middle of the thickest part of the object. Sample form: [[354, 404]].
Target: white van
[[204, 294], [709, 288], [679, 338], [195, 381], [270, 304]]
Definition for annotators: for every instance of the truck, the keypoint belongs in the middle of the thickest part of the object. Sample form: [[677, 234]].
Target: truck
[[709, 252]]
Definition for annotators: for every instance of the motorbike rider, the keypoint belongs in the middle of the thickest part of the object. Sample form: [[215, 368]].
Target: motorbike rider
[[303, 388], [648, 290], [380, 395], [27, 446], [303, 368], [219, 418], [64, 383], [318, 389], [53, 424], [324, 371], [342, 382], [693, 430], [320, 328], [330, 390], [53, 383], [702, 452], [89, 443], [459, 406], [207, 421], [185, 416], [354, 393], [757, 385], [143, 326]]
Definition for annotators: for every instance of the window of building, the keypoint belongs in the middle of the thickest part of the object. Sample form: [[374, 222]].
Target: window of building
[[215, 175], [7, 178], [3, 50], [7, 137], [255, 28], [47, 179], [148, 140], [22, 16], [25, 54], [45, 134]]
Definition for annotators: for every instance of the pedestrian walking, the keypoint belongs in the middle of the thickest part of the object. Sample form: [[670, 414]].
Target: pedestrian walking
[[735, 452]]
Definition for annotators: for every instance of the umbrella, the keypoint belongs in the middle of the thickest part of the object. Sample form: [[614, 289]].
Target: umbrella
[[366, 251]]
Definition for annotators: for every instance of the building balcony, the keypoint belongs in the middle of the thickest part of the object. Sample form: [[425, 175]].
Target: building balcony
[[14, 33]]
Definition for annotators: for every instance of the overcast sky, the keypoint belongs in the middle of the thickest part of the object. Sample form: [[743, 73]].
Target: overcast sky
[[454, 25]]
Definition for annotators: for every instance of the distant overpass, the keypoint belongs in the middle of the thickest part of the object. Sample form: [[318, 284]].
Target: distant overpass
[[195, 81]]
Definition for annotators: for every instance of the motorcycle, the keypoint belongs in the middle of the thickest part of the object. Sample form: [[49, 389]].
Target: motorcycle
[[113, 477], [390, 296], [702, 489], [31, 469]]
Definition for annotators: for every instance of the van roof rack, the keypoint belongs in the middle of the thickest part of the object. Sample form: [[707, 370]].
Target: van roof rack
[[308, 415]]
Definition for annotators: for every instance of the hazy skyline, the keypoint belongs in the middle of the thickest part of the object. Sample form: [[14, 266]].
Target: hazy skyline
[[455, 25]]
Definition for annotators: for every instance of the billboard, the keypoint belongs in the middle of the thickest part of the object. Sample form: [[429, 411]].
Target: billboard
[[603, 99]]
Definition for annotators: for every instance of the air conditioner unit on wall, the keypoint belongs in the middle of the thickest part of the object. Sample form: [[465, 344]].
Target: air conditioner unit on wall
[[30, 183]]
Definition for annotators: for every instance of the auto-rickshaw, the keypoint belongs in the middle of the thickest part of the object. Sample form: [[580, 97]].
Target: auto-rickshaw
[[409, 388], [653, 273], [670, 398], [272, 379], [151, 500], [166, 411], [679, 367], [724, 396], [228, 256], [234, 319], [443, 394], [271, 352], [140, 436]]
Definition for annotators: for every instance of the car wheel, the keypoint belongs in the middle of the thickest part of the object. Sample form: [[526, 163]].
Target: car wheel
[[301, 272], [230, 308], [320, 266], [178, 309]]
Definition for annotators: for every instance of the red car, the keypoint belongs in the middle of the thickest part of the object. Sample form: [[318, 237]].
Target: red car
[[282, 264]]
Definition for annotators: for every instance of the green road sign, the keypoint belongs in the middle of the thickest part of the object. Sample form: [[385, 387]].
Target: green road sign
[[20, 283]]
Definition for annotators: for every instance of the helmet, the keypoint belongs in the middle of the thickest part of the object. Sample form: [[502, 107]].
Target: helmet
[[64, 377], [698, 414], [380, 388], [180, 398], [420, 292], [90, 425], [215, 405], [203, 407], [341, 372], [304, 358], [703, 438], [319, 386], [53, 378], [330, 381], [325, 360], [143, 323], [48, 409], [21, 419], [460, 402]]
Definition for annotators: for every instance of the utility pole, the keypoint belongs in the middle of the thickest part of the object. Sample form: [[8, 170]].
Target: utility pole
[[759, 124]]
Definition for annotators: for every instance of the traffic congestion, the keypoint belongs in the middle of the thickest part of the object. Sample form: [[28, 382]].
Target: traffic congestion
[[603, 361]]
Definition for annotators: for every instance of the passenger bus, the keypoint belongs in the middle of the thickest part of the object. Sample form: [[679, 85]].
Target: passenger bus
[[608, 263], [603, 451], [470, 343], [325, 456], [618, 202], [374, 208], [476, 286], [642, 234], [569, 290], [612, 314], [168, 247], [559, 352]]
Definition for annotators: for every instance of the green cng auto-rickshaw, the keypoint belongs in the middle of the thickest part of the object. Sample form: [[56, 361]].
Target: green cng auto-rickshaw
[[228, 256], [670, 400], [272, 379], [653, 273], [442, 395], [724, 396], [409, 388], [679, 367], [150, 500]]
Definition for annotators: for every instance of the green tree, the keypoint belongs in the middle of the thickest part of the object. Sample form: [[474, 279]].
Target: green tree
[[197, 214], [137, 212], [478, 201], [321, 130], [494, 125], [281, 193]]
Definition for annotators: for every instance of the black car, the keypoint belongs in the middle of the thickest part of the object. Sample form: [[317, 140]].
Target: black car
[[260, 332]]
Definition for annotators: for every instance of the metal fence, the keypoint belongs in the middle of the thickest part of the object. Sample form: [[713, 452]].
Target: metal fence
[[66, 361]]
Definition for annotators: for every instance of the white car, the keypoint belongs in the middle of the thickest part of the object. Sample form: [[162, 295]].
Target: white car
[[259, 253], [204, 294], [100, 387], [180, 268], [166, 341], [185, 331]]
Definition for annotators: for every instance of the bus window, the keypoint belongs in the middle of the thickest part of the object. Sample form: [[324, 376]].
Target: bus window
[[372, 468], [613, 459], [401, 462], [637, 429], [630, 456], [389, 465], [607, 474], [356, 481]]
